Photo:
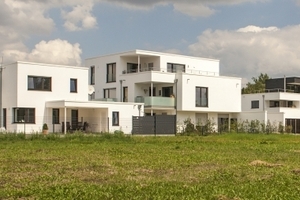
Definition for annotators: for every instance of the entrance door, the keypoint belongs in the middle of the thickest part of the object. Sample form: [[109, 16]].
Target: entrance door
[[4, 118], [125, 94], [74, 118]]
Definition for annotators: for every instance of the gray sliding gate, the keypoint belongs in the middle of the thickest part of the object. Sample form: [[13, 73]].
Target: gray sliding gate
[[158, 124]]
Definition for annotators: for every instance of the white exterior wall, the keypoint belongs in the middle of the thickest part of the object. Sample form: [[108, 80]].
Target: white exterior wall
[[201, 66], [100, 64], [16, 93], [275, 114], [223, 93], [126, 111]]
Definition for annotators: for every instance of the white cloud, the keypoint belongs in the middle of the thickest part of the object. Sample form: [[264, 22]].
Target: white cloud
[[55, 51], [256, 29], [79, 18], [253, 50], [193, 8]]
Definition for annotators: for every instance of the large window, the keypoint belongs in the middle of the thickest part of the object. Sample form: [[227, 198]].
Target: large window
[[171, 67], [132, 68], [24, 115], [92, 81], [255, 104], [111, 73], [201, 97], [110, 93], [73, 85], [55, 116], [39, 83], [115, 118]]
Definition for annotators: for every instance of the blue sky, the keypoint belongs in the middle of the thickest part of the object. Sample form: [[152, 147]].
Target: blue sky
[[248, 36]]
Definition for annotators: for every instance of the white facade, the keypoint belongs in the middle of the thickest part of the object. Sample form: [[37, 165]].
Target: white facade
[[275, 107], [166, 84], [36, 93]]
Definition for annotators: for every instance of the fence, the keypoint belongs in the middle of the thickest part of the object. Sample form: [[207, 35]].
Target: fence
[[154, 125]]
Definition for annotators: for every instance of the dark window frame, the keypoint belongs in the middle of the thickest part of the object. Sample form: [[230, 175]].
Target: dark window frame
[[111, 77], [92, 75], [108, 95], [255, 104], [199, 98], [55, 116], [23, 115], [115, 118], [174, 67], [73, 90], [39, 86]]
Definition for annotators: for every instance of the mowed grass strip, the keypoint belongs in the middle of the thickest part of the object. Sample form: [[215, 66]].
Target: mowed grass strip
[[230, 166]]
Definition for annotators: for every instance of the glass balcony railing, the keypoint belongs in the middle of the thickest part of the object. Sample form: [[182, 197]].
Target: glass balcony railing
[[106, 99], [156, 101]]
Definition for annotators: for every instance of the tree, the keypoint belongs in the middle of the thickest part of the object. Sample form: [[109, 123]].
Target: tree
[[258, 84]]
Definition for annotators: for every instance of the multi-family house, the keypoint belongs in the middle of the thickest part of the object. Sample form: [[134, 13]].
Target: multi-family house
[[36, 93], [167, 84], [278, 103]]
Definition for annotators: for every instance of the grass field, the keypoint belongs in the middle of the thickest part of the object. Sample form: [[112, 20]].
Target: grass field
[[229, 166]]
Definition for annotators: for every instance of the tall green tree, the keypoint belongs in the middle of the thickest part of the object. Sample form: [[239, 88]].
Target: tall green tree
[[258, 84]]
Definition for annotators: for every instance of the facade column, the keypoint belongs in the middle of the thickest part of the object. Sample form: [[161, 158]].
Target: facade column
[[65, 120]]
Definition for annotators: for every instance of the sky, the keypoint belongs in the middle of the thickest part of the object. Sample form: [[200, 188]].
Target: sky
[[249, 37]]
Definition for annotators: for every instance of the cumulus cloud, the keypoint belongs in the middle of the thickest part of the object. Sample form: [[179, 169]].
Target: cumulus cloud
[[22, 19], [251, 50], [79, 18], [55, 51], [193, 8]]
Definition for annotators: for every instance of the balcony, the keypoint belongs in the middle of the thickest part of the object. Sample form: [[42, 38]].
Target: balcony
[[156, 101], [106, 99]]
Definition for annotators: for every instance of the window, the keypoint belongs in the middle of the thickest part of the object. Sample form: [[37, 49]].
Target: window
[[274, 104], [55, 116], [132, 68], [255, 104], [110, 93], [115, 118], [111, 73], [201, 97], [73, 85], [24, 115], [39, 83], [92, 81], [171, 67]]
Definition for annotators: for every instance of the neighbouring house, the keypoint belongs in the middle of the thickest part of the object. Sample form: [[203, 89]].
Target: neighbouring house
[[37, 93], [167, 84], [278, 104]]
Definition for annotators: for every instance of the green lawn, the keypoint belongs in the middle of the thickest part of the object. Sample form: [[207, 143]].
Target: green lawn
[[230, 166]]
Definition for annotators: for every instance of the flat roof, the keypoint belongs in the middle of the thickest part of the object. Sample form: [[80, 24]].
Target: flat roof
[[46, 64], [151, 53]]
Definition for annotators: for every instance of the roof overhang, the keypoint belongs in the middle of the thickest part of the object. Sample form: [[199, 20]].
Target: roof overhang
[[85, 104]]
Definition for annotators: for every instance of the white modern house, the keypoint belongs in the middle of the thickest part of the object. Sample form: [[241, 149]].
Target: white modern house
[[278, 103], [37, 93], [167, 84]]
